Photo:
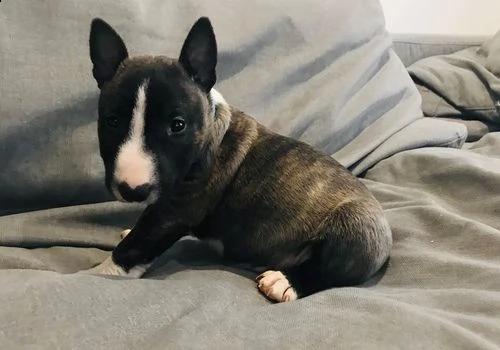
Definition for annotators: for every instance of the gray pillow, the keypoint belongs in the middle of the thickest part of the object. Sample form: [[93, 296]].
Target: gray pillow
[[464, 86], [319, 71]]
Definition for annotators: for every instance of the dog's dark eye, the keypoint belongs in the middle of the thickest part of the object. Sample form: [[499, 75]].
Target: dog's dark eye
[[177, 125], [112, 121]]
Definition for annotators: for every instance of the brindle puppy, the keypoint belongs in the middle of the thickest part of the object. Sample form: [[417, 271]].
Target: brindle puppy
[[205, 168]]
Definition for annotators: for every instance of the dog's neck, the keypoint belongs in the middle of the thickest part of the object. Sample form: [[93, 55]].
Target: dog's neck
[[229, 137], [217, 123]]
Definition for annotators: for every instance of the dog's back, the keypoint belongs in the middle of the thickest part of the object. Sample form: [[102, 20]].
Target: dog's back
[[287, 204]]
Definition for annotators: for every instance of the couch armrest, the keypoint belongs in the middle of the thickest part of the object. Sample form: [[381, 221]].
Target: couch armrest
[[413, 47]]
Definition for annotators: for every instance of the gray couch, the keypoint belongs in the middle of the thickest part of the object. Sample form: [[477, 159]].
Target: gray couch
[[338, 85]]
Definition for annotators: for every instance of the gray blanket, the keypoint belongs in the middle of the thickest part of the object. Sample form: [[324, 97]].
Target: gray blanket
[[441, 289], [319, 71]]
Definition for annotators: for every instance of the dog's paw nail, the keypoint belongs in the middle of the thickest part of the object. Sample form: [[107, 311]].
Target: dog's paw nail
[[262, 275], [276, 286]]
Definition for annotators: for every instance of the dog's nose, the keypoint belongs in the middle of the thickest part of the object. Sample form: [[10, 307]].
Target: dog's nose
[[137, 194]]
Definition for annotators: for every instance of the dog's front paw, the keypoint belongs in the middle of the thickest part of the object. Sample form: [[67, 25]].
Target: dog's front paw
[[107, 267], [124, 233], [276, 286]]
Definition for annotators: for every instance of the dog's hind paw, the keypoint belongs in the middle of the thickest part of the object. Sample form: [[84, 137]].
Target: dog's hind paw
[[276, 286]]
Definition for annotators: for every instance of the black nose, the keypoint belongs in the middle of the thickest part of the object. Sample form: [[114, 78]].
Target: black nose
[[137, 194]]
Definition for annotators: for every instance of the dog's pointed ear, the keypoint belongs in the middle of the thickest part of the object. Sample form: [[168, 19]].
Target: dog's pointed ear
[[107, 51], [199, 54]]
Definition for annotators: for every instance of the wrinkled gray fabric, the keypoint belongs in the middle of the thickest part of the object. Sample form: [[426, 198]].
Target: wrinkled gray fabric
[[412, 47], [441, 289], [322, 71], [464, 86]]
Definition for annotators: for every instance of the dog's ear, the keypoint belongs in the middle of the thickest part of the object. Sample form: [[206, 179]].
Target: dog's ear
[[107, 51], [199, 54]]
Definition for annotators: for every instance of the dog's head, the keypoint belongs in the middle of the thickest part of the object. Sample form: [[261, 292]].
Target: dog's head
[[153, 110]]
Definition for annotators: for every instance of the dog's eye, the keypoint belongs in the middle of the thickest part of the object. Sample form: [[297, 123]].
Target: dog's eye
[[112, 121], [177, 125]]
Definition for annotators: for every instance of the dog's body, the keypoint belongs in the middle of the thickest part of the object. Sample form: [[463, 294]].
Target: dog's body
[[265, 200]]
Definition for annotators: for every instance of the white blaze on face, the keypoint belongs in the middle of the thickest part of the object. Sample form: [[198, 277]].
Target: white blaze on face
[[134, 165]]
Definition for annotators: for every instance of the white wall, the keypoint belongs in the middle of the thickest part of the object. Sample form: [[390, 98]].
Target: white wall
[[464, 17]]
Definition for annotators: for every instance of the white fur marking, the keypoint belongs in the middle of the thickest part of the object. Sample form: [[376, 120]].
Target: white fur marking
[[276, 286], [134, 165], [217, 99], [108, 267]]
